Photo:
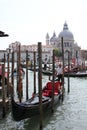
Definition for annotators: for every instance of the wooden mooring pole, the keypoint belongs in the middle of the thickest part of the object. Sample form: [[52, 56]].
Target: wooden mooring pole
[[3, 92], [27, 94], [17, 69], [20, 84], [68, 72], [53, 83], [63, 68], [12, 80], [40, 83], [49, 69], [34, 72], [19, 75], [8, 61]]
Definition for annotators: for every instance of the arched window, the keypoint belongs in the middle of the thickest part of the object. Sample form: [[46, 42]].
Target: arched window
[[67, 44]]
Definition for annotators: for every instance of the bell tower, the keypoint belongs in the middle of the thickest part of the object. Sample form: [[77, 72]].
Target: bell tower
[[47, 39]]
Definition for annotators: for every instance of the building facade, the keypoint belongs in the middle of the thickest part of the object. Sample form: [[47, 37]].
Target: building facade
[[47, 51], [53, 42], [68, 43]]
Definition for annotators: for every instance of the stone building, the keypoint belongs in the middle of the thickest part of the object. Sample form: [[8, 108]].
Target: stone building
[[84, 55], [68, 43], [47, 51]]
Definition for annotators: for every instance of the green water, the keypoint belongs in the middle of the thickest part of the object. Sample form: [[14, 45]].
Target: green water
[[69, 115]]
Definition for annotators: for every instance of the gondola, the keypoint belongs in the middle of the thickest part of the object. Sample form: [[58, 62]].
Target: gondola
[[30, 107], [47, 72], [29, 65], [32, 68], [75, 74], [24, 65]]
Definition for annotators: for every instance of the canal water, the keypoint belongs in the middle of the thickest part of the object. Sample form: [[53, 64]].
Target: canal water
[[71, 114]]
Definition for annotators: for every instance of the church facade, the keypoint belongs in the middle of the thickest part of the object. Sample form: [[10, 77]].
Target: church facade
[[68, 43]]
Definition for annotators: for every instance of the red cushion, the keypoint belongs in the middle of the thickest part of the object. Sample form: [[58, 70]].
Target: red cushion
[[58, 85], [45, 94], [56, 93], [49, 85], [48, 90]]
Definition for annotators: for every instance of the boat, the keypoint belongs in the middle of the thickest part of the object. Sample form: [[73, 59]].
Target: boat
[[30, 107], [29, 65], [76, 74], [47, 72], [32, 68], [23, 65], [71, 69]]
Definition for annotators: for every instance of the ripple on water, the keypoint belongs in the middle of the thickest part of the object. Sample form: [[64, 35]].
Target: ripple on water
[[69, 115]]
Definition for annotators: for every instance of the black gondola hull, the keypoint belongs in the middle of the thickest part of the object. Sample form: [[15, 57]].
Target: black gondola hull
[[75, 74], [23, 111], [31, 107]]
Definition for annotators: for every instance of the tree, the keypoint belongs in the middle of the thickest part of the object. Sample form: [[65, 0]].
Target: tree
[[57, 52]]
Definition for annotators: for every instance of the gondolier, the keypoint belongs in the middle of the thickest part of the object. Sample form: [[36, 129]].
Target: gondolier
[[59, 71], [45, 64]]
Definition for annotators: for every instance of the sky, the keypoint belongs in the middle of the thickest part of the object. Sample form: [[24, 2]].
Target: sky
[[28, 21]]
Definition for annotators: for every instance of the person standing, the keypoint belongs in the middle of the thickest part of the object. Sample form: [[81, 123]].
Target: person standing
[[45, 64], [60, 73]]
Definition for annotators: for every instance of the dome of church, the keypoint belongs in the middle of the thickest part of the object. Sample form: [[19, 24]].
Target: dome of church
[[66, 33]]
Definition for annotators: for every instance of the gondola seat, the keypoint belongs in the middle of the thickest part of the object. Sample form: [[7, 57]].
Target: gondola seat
[[45, 93], [48, 90], [49, 86], [57, 85]]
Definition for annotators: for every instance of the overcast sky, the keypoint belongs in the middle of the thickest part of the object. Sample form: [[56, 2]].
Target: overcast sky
[[28, 21]]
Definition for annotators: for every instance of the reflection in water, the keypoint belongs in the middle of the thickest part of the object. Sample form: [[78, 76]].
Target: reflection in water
[[69, 115]]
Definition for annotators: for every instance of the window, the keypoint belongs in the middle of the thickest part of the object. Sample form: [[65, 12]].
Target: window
[[67, 44]]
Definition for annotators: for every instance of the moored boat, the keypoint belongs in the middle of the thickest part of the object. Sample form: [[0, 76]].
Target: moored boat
[[32, 68], [30, 107], [47, 72], [76, 74]]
